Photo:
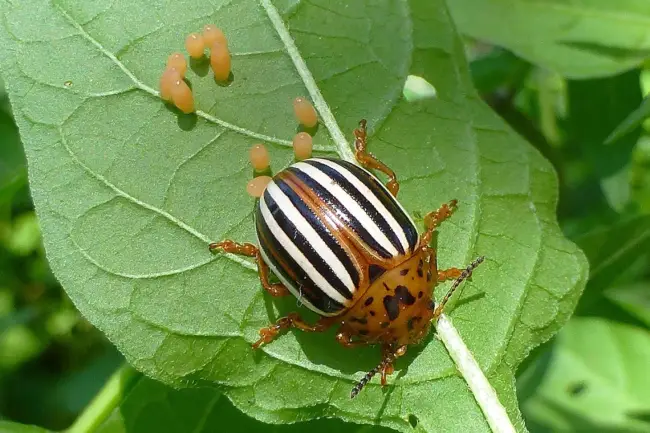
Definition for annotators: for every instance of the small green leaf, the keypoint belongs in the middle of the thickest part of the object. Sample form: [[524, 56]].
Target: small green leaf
[[129, 193], [13, 169], [578, 39], [633, 297], [615, 253], [18, 344], [14, 427], [595, 380], [595, 107], [25, 235], [631, 122]]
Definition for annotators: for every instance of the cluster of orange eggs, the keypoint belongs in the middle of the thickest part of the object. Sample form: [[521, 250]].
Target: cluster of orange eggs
[[173, 87], [302, 147]]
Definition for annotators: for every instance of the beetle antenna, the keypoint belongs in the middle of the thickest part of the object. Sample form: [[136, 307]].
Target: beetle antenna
[[467, 272], [365, 379], [388, 359]]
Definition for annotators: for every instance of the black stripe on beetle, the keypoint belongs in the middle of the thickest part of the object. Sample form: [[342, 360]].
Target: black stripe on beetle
[[386, 199], [302, 283], [321, 229], [306, 247], [341, 211], [362, 201]]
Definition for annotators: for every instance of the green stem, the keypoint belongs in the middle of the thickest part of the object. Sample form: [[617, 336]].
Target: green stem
[[104, 402]]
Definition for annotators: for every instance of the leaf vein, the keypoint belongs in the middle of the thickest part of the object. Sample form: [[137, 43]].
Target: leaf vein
[[142, 86], [151, 275], [146, 205], [301, 67]]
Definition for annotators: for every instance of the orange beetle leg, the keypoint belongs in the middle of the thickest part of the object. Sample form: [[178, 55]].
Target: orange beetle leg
[[389, 356], [368, 160], [250, 250], [345, 340], [448, 274], [434, 218], [292, 320]]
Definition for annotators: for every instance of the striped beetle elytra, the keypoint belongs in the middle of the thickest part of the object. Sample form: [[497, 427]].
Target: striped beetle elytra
[[340, 242]]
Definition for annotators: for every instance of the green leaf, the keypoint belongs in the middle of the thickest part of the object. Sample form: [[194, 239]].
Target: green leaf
[[153, 407], [595, 107], [14, 427], [578, 39], [13, 170], [617, 254], [595, 174], [633, 121], [640, 177], [499, 71], [595, 380], [633, 297], [129, 193]]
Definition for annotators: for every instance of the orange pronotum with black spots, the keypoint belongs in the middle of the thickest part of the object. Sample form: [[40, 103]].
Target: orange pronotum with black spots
[[338, 239]]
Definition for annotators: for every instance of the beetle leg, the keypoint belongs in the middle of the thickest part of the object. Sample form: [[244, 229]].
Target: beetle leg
[[291, 320], [443, 274], [389, 355], [434, 218], [368, 160], [448, 274], [250, 250], [345, 340], [387, 368]]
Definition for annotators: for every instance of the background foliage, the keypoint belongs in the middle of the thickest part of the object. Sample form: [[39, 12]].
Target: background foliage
[[569, 79]]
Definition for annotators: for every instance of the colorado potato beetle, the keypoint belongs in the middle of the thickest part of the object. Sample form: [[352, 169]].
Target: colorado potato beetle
[[340, 242]]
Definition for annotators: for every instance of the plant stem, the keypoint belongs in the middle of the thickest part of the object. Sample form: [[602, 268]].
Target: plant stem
[[104, 402], [485, 395]]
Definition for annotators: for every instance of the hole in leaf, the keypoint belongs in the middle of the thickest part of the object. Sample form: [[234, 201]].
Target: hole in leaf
[[413, 420], [417, 88], [577, 388]]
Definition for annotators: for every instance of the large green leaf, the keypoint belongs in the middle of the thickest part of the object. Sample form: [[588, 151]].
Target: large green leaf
[[596, 380], [129, 193], [578, 39], [151, 406]]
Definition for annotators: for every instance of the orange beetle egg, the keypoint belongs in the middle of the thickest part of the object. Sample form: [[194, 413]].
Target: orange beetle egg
[[302, 145], [167, 79], [255, 187], [194, 44], [182, 96], [305, 112], [259, 157], [220, 61], [177, 60], [212, 34]]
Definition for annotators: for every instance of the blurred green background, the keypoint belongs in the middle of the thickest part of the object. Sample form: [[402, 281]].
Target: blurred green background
[[592, 377]]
